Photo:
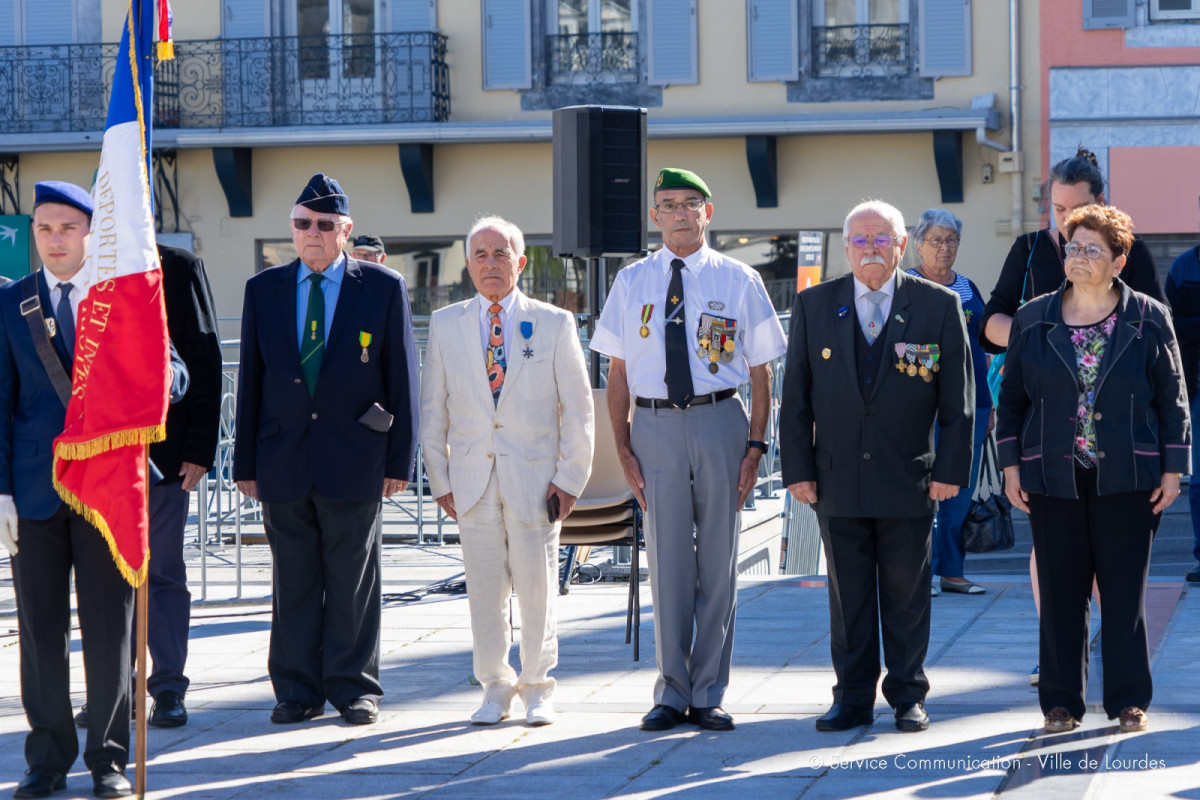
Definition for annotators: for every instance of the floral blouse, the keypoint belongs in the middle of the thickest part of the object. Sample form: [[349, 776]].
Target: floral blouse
[[1090, 342]]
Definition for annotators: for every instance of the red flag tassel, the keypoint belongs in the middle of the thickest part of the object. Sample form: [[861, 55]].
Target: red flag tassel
[[166, 48]]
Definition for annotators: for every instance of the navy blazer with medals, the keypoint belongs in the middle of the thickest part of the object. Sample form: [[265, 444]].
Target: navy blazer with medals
[[875, 458], [293, 444]]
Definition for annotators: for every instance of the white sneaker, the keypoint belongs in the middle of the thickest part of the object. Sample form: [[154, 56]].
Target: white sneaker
[[541, 713], [489, 713]]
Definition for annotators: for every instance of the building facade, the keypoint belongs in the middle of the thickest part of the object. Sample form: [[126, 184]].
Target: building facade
[[1122, 78], [433, 112]]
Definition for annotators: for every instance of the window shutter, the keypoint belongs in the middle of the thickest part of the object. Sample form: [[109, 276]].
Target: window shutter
[[244, 19], [49, 22], [945, 38], [672, 48], [8, 27], [413, 15], [1108, 14], [506, 45], [773, 46]]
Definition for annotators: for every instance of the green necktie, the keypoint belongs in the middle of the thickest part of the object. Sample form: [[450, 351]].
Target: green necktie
[[312, 342]]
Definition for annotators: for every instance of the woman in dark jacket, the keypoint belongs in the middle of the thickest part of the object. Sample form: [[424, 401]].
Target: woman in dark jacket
[[1093, 435]]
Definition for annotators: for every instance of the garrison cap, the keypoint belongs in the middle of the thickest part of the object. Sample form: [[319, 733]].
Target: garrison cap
[[676, 178], [325, 196], [368, 242], [67, 194]]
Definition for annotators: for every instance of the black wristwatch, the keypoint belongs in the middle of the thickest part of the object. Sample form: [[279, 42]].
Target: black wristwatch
[[760, 445]]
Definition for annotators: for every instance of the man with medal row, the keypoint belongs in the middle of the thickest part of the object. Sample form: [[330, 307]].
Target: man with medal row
[[856, 437], [683, 328]]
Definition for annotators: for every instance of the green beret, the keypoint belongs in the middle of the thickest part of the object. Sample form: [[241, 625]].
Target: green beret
[[675, 178]]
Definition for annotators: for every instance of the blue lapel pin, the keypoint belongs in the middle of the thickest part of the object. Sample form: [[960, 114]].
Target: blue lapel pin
[[843, 311]]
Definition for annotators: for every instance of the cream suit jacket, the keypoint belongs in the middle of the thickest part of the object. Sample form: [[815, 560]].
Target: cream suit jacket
[[540, 432]]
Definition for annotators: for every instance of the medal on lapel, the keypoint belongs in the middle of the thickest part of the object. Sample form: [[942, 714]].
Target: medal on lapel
[[527, 332], [364, 340]]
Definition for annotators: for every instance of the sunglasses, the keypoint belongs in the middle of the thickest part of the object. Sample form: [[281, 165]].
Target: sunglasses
[[881, 241], [323, 225]]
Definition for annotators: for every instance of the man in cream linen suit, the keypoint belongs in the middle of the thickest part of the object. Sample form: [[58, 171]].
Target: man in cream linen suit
[[506, 428]]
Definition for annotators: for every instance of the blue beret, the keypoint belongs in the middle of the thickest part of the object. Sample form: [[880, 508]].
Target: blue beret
[[68, 194], [325, 196]]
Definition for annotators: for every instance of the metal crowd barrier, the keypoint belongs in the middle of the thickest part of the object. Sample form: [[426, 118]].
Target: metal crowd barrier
[[223, 512]]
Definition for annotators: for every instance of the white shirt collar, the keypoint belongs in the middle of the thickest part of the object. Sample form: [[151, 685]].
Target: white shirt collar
[[506, 302], [888, 288], [692, 262]]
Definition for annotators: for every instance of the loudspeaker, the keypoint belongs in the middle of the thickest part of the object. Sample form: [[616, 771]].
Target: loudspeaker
[[599, 181]]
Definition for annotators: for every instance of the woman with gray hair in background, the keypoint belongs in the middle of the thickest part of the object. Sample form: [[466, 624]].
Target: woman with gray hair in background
[[937, 236]]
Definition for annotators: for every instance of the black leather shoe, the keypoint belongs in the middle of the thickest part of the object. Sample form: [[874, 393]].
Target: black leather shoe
[[362, 711], [911, 718], [81, 719], [662, 718], [109, 781], [292, 711], [1193, 575], [40, 782], [710, 719], [843, 717], [168, 711]]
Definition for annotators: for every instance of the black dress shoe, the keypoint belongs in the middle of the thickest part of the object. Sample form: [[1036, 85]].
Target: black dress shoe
[[168, 711], [911, 718], [109, 781], [710, 719], [843, 717], [362, 711], [40, 782], [292, 711], [662, 718], [81, 719]]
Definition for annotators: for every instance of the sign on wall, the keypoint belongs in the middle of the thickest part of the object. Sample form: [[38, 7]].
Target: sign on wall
[[14, 245], [810, 258]]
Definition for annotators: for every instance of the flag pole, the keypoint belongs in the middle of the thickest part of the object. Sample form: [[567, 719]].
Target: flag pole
[[143, 611]]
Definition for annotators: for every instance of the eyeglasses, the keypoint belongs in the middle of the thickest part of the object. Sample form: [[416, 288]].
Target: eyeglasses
[[670, 206], [881, 241], [937, 243], [1092, 251], [323, 225]]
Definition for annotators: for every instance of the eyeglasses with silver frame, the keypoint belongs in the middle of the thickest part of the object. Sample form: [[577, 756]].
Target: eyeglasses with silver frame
[[1092, 251], [691, 204]]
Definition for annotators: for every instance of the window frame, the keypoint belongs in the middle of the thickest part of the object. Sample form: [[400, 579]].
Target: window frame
[[1157, 14]]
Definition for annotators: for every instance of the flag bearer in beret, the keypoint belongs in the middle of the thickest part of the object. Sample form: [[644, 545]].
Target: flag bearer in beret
[[44, 536], [683, 328], [326, 426]]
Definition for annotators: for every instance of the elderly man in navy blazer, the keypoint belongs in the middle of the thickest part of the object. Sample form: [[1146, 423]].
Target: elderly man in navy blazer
[[45, 537], [326, 426]]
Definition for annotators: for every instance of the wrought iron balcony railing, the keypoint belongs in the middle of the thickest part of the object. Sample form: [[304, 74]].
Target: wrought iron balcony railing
[[845, 51], [592, 58], [228, 83]]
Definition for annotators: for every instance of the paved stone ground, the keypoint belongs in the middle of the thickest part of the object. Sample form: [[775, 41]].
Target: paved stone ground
[[984, 741]]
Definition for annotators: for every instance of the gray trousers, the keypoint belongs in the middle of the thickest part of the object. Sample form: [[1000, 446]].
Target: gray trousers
[[690, 461]]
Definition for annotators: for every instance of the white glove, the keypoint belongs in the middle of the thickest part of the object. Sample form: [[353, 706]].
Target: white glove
[[8, 523]]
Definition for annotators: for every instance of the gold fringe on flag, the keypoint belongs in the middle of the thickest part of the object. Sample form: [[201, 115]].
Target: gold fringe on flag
[[103, 444]]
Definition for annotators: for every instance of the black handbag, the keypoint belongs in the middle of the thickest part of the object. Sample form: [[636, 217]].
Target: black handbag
[[988, 525]]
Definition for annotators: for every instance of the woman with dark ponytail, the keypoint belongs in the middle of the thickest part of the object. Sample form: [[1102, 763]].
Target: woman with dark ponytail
[[1035, 262]]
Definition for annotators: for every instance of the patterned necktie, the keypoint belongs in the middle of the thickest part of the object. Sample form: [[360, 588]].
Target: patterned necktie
[[873, 324], [66, 320], [679, 371], [495, 352], [312, 342]]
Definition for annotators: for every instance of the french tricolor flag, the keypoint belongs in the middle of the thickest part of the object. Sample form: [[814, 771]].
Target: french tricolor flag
[[121, 375]]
